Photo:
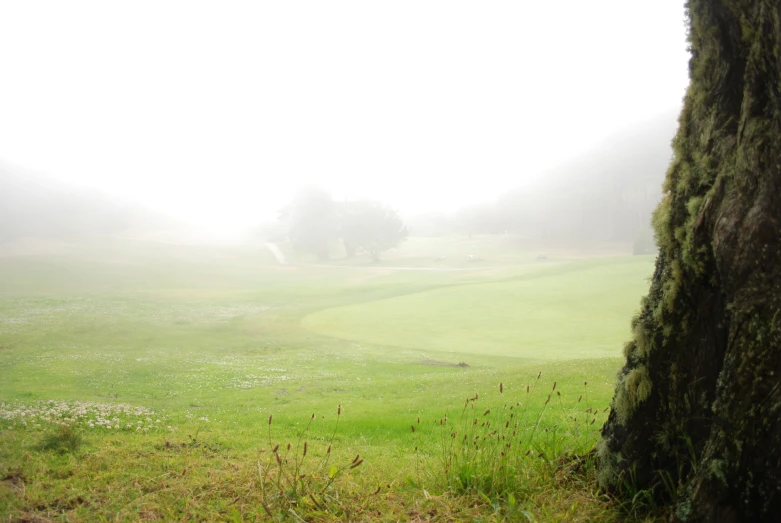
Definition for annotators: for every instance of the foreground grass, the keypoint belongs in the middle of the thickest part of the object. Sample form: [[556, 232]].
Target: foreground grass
[[202, 462], [169, 364]]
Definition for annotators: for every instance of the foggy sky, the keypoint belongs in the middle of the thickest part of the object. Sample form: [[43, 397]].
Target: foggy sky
[[217, 112]]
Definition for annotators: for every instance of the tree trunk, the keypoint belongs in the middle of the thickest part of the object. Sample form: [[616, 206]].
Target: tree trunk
[[696, 416]]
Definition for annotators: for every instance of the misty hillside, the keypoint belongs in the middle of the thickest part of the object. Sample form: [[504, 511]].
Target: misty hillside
[[33, 207], [606, 195]]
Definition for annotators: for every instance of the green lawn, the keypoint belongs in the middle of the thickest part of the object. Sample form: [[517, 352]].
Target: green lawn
[[211, 341], [579, 310]]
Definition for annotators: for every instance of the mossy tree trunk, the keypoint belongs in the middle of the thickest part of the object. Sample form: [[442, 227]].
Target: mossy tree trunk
[[696, 416]]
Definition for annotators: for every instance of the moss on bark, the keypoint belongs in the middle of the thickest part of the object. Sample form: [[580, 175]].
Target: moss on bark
[[698, 401]]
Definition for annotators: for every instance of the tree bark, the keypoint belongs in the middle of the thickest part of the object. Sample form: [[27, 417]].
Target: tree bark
[[696, 416]]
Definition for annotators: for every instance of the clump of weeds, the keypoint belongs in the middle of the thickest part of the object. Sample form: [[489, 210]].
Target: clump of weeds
[[62, 439], [296, 479], [507, 450]]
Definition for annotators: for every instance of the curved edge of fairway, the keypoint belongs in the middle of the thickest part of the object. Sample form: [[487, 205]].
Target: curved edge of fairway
[[577, 310]]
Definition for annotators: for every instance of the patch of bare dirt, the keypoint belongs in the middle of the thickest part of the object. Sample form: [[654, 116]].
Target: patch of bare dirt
[[436, 363]]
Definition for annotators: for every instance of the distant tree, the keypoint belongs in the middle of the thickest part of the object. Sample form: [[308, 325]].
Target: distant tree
[[370, 226], [312, 219]]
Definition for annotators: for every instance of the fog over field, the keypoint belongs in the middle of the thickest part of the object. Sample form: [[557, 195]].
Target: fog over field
[[603, 195], [218, 116], [324, 261]]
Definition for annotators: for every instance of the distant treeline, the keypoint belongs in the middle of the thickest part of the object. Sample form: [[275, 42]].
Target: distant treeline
[[313, 221], [607, 195], [30, 206]]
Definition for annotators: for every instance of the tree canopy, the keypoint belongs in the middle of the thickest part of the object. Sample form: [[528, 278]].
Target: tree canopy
[[371, 227], [312, 222], [315, 220]]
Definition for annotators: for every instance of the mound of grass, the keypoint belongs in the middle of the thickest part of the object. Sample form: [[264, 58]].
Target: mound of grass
[[62, 439]]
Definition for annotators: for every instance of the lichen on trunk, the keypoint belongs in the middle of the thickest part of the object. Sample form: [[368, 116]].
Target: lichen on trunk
[[696, 415]]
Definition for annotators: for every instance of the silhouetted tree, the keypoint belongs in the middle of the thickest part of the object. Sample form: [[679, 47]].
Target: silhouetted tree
[[696, 415], [370, 226], [312, 222]]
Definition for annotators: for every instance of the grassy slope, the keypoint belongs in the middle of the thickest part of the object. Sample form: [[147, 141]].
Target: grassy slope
[[212, 341]]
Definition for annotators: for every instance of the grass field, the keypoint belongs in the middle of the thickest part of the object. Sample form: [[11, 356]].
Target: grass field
[[578, 310], [166, 361]]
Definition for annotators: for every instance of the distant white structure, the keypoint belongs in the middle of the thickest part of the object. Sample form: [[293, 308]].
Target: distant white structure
[[276, 252]]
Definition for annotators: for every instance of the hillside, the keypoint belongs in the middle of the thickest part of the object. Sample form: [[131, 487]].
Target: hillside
[[606, 195], [33, 207]]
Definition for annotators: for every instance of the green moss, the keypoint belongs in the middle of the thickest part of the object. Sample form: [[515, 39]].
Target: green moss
[[661, 223], [609, 465], [633, 388], [629, 349], [716, 469], [638, 385], [693, 205], [642, 341], [680, 234], [676, 271]]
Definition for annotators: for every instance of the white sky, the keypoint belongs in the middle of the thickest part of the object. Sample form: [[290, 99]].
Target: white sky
[[218, 111]]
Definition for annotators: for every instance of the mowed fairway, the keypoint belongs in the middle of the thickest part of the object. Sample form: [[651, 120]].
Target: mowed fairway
[[579, 310]]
